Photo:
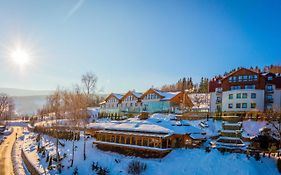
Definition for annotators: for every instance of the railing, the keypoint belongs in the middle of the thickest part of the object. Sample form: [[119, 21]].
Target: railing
[[269, 90], [218, 101]]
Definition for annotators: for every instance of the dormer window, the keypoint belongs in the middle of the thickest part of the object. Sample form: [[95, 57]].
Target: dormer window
[[234, 79], [250, 77], [255, 77], [240, 78], [269, 78]]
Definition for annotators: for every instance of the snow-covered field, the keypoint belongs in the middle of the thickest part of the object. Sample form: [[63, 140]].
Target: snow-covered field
[[179, 161]]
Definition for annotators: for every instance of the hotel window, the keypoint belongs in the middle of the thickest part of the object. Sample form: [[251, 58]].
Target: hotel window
[[255, 77], [238, 96], [269, 97], [235, 87], [250, 77], [244, 105], [269, 88], [234, 79], [250, 86], [238, 105], [230, 105], [230, 79], [253, 95], [240, 78], [245, 78], [230, 96], [253, 105], [244, 95], [270, 78]]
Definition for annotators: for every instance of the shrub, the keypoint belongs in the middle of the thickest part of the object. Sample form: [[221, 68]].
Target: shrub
[[279, 165], [99, 170], [222, 150], [257, 156], [95, 166], [102, 171], [75, 172], [208, 149], [136, 167]]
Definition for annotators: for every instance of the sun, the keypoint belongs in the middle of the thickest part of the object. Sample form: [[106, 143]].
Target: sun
[[20, 56]]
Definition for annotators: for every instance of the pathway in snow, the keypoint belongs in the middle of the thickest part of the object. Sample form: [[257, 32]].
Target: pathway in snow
[[6, 166], [18, 164]]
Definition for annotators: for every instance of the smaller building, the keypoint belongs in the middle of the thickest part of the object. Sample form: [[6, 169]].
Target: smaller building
[[151, 101], [111, 105], [149, 138]]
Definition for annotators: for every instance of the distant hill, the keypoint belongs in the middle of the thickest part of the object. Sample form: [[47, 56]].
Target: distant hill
[[29, 104], [24, 92], [27, 101]]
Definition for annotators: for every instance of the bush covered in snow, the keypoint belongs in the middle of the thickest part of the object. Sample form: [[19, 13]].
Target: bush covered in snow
[[208, 149], [257, 156], [99, 169], [136, 167]]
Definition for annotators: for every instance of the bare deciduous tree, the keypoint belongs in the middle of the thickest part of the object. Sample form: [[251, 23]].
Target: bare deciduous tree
[[56, 107], [6, 106], [89, 81], [274, 119]]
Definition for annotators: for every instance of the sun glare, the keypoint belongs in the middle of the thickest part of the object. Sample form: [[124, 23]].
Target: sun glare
[[20, 56]]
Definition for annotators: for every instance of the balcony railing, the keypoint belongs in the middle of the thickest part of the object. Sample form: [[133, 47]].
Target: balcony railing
[[269, 90], [269, 100]]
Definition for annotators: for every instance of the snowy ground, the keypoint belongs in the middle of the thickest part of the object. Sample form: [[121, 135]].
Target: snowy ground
[[179, 161]]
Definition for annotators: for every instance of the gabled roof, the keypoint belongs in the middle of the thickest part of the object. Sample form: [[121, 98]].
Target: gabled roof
[[153, 90], [168, 95], [250, 70], [164, 95], [136, 94], [115, 95]]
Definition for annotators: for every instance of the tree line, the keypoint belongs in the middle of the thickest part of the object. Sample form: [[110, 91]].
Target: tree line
[[187, 84]]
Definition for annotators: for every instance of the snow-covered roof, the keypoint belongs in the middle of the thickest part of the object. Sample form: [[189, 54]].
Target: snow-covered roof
[[137, 94], [197, 136], [118, 96], [157, 123], [130, 126], [168, 95]]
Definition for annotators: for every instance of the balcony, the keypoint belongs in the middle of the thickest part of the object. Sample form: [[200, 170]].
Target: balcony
[[218, 101], [269, 100], [269, 90], [218, 91]]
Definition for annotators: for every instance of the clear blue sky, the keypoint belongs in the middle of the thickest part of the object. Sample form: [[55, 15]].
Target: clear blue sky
[[134, 44]]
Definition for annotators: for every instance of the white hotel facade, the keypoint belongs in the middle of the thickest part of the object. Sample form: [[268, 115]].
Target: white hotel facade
[[245, 91]]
